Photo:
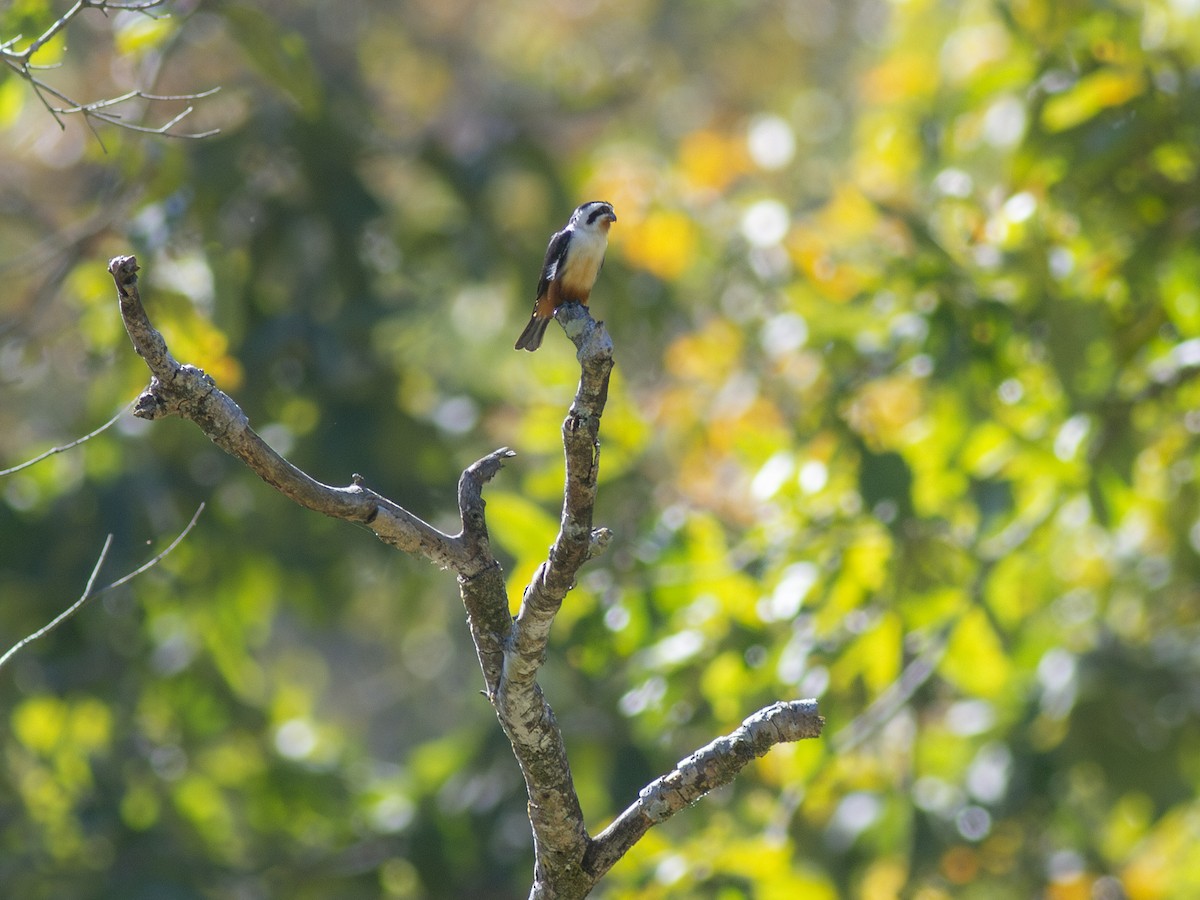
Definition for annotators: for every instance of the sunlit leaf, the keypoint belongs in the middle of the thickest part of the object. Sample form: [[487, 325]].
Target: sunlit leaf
[[664, 243], [139, 34], [1090, 95], [711, 160], [13, 94], [879, 652], [40, 723], [975, 660]]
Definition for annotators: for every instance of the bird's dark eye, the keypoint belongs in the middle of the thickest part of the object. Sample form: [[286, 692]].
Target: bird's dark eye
[[597, 213]]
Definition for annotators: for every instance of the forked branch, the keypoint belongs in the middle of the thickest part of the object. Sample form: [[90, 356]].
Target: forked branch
[[90, 591], [186, 391], [568, 862]]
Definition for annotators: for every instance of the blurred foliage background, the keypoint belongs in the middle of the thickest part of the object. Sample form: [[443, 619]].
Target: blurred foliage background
[[905, 417]]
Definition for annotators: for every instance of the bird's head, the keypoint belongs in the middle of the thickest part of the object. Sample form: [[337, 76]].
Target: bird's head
[[595, 215]]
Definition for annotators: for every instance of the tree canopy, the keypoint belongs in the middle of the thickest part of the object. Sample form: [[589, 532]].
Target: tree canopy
[[904, 417]]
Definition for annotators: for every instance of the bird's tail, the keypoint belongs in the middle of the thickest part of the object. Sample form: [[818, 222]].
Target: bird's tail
[[531, 337]]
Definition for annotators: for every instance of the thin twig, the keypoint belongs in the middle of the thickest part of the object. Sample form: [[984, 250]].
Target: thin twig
[[89, 593], [154, 561], [75, 443], [65, 19], [49, 33], [65, 614], [21, 62]]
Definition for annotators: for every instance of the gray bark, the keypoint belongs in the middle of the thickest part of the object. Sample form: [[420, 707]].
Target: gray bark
[[568, 861]]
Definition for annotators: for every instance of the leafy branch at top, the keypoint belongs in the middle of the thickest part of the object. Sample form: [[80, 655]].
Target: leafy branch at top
[[59, 105]]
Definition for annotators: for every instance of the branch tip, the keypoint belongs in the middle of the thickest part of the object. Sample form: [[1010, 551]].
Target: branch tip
[[484, 470], [188, 391], [124, 269]]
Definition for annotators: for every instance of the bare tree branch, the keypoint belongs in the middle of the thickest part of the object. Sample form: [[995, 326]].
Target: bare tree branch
[[155, 560], [568, 862], [186, 391], [65, 614], [559, 833], [576, 542], [88, 593], [75, 443], [21, 62], [708, 768], [484, 594]]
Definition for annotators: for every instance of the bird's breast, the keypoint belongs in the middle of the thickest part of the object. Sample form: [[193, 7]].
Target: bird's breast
[[579, 269]]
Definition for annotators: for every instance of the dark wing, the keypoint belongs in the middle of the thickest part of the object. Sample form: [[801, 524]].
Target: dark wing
[[555, 254]]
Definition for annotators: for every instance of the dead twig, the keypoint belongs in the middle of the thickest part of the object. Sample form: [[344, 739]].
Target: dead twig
[[89, 593], [63, 448], [21, 63]]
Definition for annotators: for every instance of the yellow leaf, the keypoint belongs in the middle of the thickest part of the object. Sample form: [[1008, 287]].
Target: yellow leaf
[[90, 726], [900, 78], [987, 449], [884, 878], [1127, 823], [40, 722], [141, 33], [864, 570], [884, 409], [814, 254], [1095, 92], [139, 808], [706, 355], [522, 528], [433, 763], [663, 243], [200, 801], [889, 155], [1175, 161], [198, 340], [975, 660], [848, 214], [724, 683], [711, 160], [878, 652], [12, 100]]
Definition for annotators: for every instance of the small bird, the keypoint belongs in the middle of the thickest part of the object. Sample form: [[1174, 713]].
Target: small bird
[[573, 261]]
